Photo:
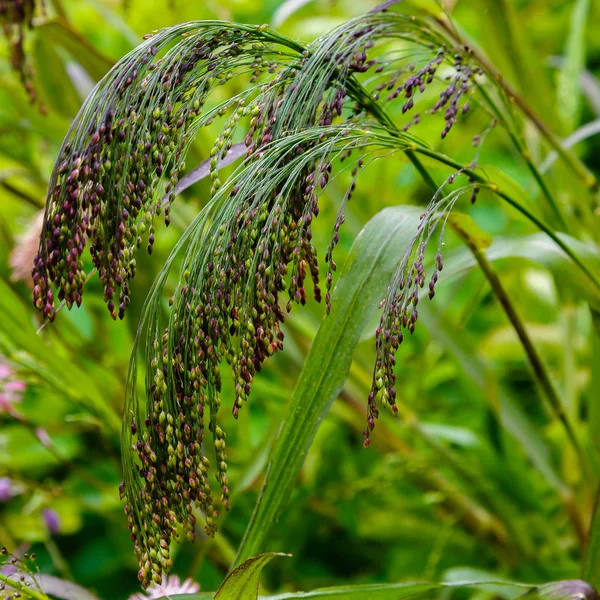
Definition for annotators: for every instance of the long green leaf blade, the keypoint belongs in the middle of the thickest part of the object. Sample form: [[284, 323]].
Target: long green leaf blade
[[569, 93], [383, 591], [363, 281]]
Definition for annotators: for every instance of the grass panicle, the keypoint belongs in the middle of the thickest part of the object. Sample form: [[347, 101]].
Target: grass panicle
[[305, 115]]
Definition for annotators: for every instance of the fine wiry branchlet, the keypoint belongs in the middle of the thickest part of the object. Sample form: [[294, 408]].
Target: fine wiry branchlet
[[306, 116]]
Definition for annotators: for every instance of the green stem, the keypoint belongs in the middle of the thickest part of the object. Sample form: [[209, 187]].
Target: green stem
[[519, 538], [534, 358], [590, 570], [18, 586], [366, 100], [360, 94], [568, 157], [524, 152], [32, 200], [442, 158]]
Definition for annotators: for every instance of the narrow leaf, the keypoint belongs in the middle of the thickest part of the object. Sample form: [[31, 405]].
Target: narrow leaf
[[540, 249], [569, 93], [58, 90], [591, 563], [585, 131], [242, 583], [484, 380], [60, 32], [363, 282], [286, 10]]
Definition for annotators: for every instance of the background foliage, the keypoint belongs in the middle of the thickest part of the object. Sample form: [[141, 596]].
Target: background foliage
[[475, 480]]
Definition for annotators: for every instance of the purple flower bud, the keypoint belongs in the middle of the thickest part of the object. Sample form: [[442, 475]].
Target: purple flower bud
[[51, 520]]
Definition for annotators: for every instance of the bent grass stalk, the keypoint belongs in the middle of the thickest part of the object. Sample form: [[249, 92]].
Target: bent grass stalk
[[534, 358], [568, 157]]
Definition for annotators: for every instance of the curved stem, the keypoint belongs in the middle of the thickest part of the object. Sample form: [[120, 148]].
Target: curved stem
[[569, 158], [524, 152], [534, 358], [359, 93], [18, 587], [442, 158]]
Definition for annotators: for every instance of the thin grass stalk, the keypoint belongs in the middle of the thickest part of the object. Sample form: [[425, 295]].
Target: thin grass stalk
[[590, 568], [477, 518], [534, 358], [19, 587], [526, 155], [442, 158], [388, 440], [569, 158]]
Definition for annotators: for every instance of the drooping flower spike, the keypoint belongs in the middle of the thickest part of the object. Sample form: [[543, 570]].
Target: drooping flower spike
[[305, 115]]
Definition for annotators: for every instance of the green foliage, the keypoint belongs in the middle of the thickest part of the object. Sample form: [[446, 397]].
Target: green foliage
[[490, 470]]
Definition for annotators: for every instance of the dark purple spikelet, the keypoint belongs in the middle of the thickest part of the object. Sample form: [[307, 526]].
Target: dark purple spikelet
[[407, 82], [251, 252], [400, 308], [106, 188]]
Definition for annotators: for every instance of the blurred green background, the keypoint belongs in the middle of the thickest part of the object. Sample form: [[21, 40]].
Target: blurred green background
[[475, 480]]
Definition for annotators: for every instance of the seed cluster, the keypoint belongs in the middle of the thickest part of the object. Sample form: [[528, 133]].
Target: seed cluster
[[406, 82], [250, 251], [110, 178], [400, 313], [229, 306]]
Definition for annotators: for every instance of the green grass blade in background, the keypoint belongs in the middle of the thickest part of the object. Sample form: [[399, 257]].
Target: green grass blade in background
[[509, 47], [484, 379], [539, 249], [61, 34], [595, 406], [591, 562], [45, 357], [590, 571], [569, 90], [56, 85], [363, 282]]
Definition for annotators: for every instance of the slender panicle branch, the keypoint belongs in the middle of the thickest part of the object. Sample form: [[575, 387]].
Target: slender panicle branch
[[306, 115]]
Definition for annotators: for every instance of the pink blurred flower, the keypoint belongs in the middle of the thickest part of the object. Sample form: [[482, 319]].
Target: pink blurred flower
[[7, 490], [172, 585], [11, 388], [21, 258]]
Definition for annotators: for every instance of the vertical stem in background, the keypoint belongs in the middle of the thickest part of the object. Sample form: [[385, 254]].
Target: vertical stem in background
[[569, 158], [569, 328], [535, 361], [524, 152], [590, 570]]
